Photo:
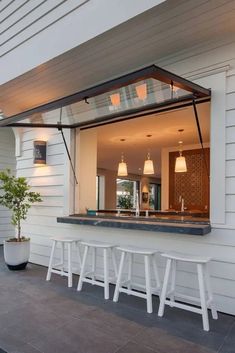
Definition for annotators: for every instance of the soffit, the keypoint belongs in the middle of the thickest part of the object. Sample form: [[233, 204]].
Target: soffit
[[165, 30]]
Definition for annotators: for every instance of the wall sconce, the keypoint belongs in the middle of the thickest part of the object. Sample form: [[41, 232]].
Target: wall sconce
[[141, 91], [39, 152], [115, 99]]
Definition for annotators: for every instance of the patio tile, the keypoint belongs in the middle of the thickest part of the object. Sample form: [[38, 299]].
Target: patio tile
[[67, 307], [26, 348], [75, 337], [158, 339], [132, 347], [227, 347], [31, 321], [12, 344], [121, 329]]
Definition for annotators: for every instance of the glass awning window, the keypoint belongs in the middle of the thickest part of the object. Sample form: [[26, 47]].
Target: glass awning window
[[150, 89]]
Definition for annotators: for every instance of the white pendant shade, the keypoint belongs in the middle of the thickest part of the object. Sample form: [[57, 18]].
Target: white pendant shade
[[180, 165], [141, 91], [148, 166], [122, 169]]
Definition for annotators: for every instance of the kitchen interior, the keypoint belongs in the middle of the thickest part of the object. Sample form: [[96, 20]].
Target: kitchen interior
[[151, 166]]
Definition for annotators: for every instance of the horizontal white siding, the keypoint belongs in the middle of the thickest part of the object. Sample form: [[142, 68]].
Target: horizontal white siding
[[36, 31], [230, 149], [23, 19], [7, 161]]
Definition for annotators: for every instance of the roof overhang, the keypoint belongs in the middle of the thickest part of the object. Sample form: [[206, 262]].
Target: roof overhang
[[163, 81]]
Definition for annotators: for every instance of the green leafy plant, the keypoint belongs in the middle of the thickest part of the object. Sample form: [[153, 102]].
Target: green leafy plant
[[15, 194]]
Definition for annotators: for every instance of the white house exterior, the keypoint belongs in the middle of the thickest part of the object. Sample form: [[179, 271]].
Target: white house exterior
[[110, 38]]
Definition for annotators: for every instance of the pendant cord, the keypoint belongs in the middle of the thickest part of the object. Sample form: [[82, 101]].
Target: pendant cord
[[66, 146], [200, 137]]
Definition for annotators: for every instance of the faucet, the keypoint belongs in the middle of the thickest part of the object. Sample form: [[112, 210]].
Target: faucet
[[137, 204], [181, 201], [182, 204]]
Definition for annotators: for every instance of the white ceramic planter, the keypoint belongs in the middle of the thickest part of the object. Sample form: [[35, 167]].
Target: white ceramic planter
[[16, 254]]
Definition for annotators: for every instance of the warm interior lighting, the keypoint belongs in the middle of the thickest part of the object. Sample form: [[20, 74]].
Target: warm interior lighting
[[148, 165], [122, 167], [141, 91], [180, 163], [115, 99]]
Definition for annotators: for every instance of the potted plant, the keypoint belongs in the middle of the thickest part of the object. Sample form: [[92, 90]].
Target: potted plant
[[15, 194]]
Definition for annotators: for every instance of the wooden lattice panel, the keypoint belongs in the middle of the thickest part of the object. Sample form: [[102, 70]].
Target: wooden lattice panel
[[193, 185]]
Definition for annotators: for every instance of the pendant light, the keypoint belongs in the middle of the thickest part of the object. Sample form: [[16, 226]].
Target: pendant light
[[148, 165], [180, 163], [122, 167]]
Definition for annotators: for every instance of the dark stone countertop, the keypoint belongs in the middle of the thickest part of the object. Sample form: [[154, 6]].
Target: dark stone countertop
[[141, 223]]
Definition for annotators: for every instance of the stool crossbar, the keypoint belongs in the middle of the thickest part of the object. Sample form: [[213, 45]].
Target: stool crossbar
[[149, 259], [206, 297]]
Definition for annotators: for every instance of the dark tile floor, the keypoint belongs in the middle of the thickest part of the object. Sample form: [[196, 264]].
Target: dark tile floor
[[37, 316]]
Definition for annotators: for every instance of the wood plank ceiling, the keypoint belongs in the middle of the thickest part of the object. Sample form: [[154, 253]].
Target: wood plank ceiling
[[167, 29]]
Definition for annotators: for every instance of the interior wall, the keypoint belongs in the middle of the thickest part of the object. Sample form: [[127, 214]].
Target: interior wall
[[86, 147], [110, 187], [165, 171]]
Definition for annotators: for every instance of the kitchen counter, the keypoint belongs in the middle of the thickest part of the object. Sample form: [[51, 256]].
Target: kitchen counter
[[169, 224]]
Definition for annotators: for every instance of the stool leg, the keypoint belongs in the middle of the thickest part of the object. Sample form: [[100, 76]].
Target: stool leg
[[51, 261], [106, 275], [93, 264], [80, 282], [164, 288], [210, 295], [203, 297], [173, 277], [156, 274], [62, 258], [70, 275], [130, 268], [79, 254], [119, 277], [148, 284], [114, 261]]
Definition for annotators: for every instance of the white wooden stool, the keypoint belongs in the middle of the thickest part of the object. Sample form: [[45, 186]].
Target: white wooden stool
[[149, 259], [90, 277], [59, 268], [204, 285]]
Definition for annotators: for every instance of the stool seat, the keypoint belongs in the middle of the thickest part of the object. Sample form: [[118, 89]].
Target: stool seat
[[149, 259], [98, 244], [65, 239], [187, 257], [136, 250]]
